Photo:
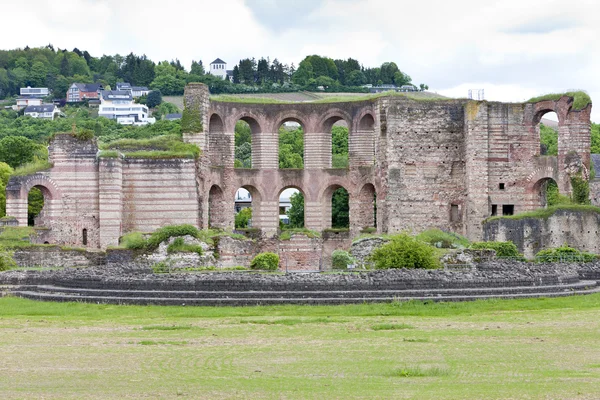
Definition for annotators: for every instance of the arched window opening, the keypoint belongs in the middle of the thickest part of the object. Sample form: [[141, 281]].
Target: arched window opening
[[35, 205], [547, 130], [216, 208], [247, 208], [243, 145], [339, 144], [84, 238], [340, 209], [291, 209], [246, 129], [549, 195], [367, 207], [291, 145]]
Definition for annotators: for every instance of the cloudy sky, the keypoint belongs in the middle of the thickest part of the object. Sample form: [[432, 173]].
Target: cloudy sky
[[514, 49]]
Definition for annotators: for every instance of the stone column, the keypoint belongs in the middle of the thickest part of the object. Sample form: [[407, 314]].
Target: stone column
[[110, 191]]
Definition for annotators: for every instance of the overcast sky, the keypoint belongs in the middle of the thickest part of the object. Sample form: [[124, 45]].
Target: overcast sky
[[514, 49]]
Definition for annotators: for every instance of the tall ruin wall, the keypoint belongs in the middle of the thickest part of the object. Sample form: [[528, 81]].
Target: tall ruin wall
[[447, 164]]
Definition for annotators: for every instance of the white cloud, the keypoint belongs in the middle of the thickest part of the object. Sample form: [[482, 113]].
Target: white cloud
[[515, 48]]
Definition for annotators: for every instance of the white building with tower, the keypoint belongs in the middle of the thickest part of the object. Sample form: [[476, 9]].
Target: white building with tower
[[219, 68]]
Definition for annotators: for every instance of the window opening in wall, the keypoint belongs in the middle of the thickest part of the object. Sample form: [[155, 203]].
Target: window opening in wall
[[494, 210], [243, 209], [291, 145], [84, 239], [35, 205], [243, 145], [339, 144], [549, 195], [548, 134], [340, 209], [508, 209], [454, 213], [291, 209], [501, 186]]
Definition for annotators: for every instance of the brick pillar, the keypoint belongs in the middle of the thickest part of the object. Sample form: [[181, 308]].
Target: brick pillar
[[313, 215], [574, 137], [265, 150], [317, 150], [196, 101], [477, 167], [110, 190], [16, 205]]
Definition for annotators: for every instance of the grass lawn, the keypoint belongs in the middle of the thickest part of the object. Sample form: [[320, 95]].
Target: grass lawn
[[517, 349]]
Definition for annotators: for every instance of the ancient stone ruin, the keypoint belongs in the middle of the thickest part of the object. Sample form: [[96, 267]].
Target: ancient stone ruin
[[447, 164]]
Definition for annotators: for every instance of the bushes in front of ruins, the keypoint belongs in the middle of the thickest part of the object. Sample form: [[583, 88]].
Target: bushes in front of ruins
[[265, 261], [166, 232], [133, 241], [6, 260], [340, 259], [564, 253], [503, 249], [443, 240], [404, 251], [179, 246]]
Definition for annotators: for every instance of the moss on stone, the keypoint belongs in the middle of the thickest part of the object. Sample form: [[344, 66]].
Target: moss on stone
[[580, 98]]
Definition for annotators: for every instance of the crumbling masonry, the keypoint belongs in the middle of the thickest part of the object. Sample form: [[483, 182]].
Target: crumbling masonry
[[437, 163]]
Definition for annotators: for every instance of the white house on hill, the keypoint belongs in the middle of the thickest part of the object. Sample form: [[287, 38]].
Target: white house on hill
[[119, 105], [43, 111], [218, 68]]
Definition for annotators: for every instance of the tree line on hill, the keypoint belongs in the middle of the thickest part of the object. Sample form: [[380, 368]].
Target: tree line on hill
[[57, 69]]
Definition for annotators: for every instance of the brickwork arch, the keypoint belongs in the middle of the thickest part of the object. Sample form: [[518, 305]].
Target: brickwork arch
[[217, 141], [361, 145], [326, 201]]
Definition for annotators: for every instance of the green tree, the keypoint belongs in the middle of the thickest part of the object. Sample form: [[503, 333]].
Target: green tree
[[37, 74], [243, 217], [548, 141], [291, 148], [296, 211], [17, 150], [304, 73], [167, 80], [340, 209], [154, 99], [197, 68], [355, 78], [5, 172], [35, 203]]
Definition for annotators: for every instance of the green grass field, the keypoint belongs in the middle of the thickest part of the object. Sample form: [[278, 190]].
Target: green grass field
[[511, 349]]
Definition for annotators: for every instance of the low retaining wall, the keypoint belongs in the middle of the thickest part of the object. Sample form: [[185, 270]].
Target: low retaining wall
[[487, 275], [578, 229], [55, 256]]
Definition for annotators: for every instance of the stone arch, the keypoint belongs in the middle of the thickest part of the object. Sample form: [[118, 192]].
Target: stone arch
[[326, 202], [540, 188], [217, 208], [362, 141], [17, 192], [363, 213], [47, 185]]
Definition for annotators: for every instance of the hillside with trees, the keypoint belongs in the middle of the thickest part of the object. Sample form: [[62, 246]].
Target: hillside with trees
[[57, 69]]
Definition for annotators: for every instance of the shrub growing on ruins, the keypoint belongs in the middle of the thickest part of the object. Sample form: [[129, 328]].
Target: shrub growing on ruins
[[564, 253], [134, 241], [265, 261], [179, 246], [340, 259], [404, 251], [441, 239], [6, 260], [167, 232], [503, 249]]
